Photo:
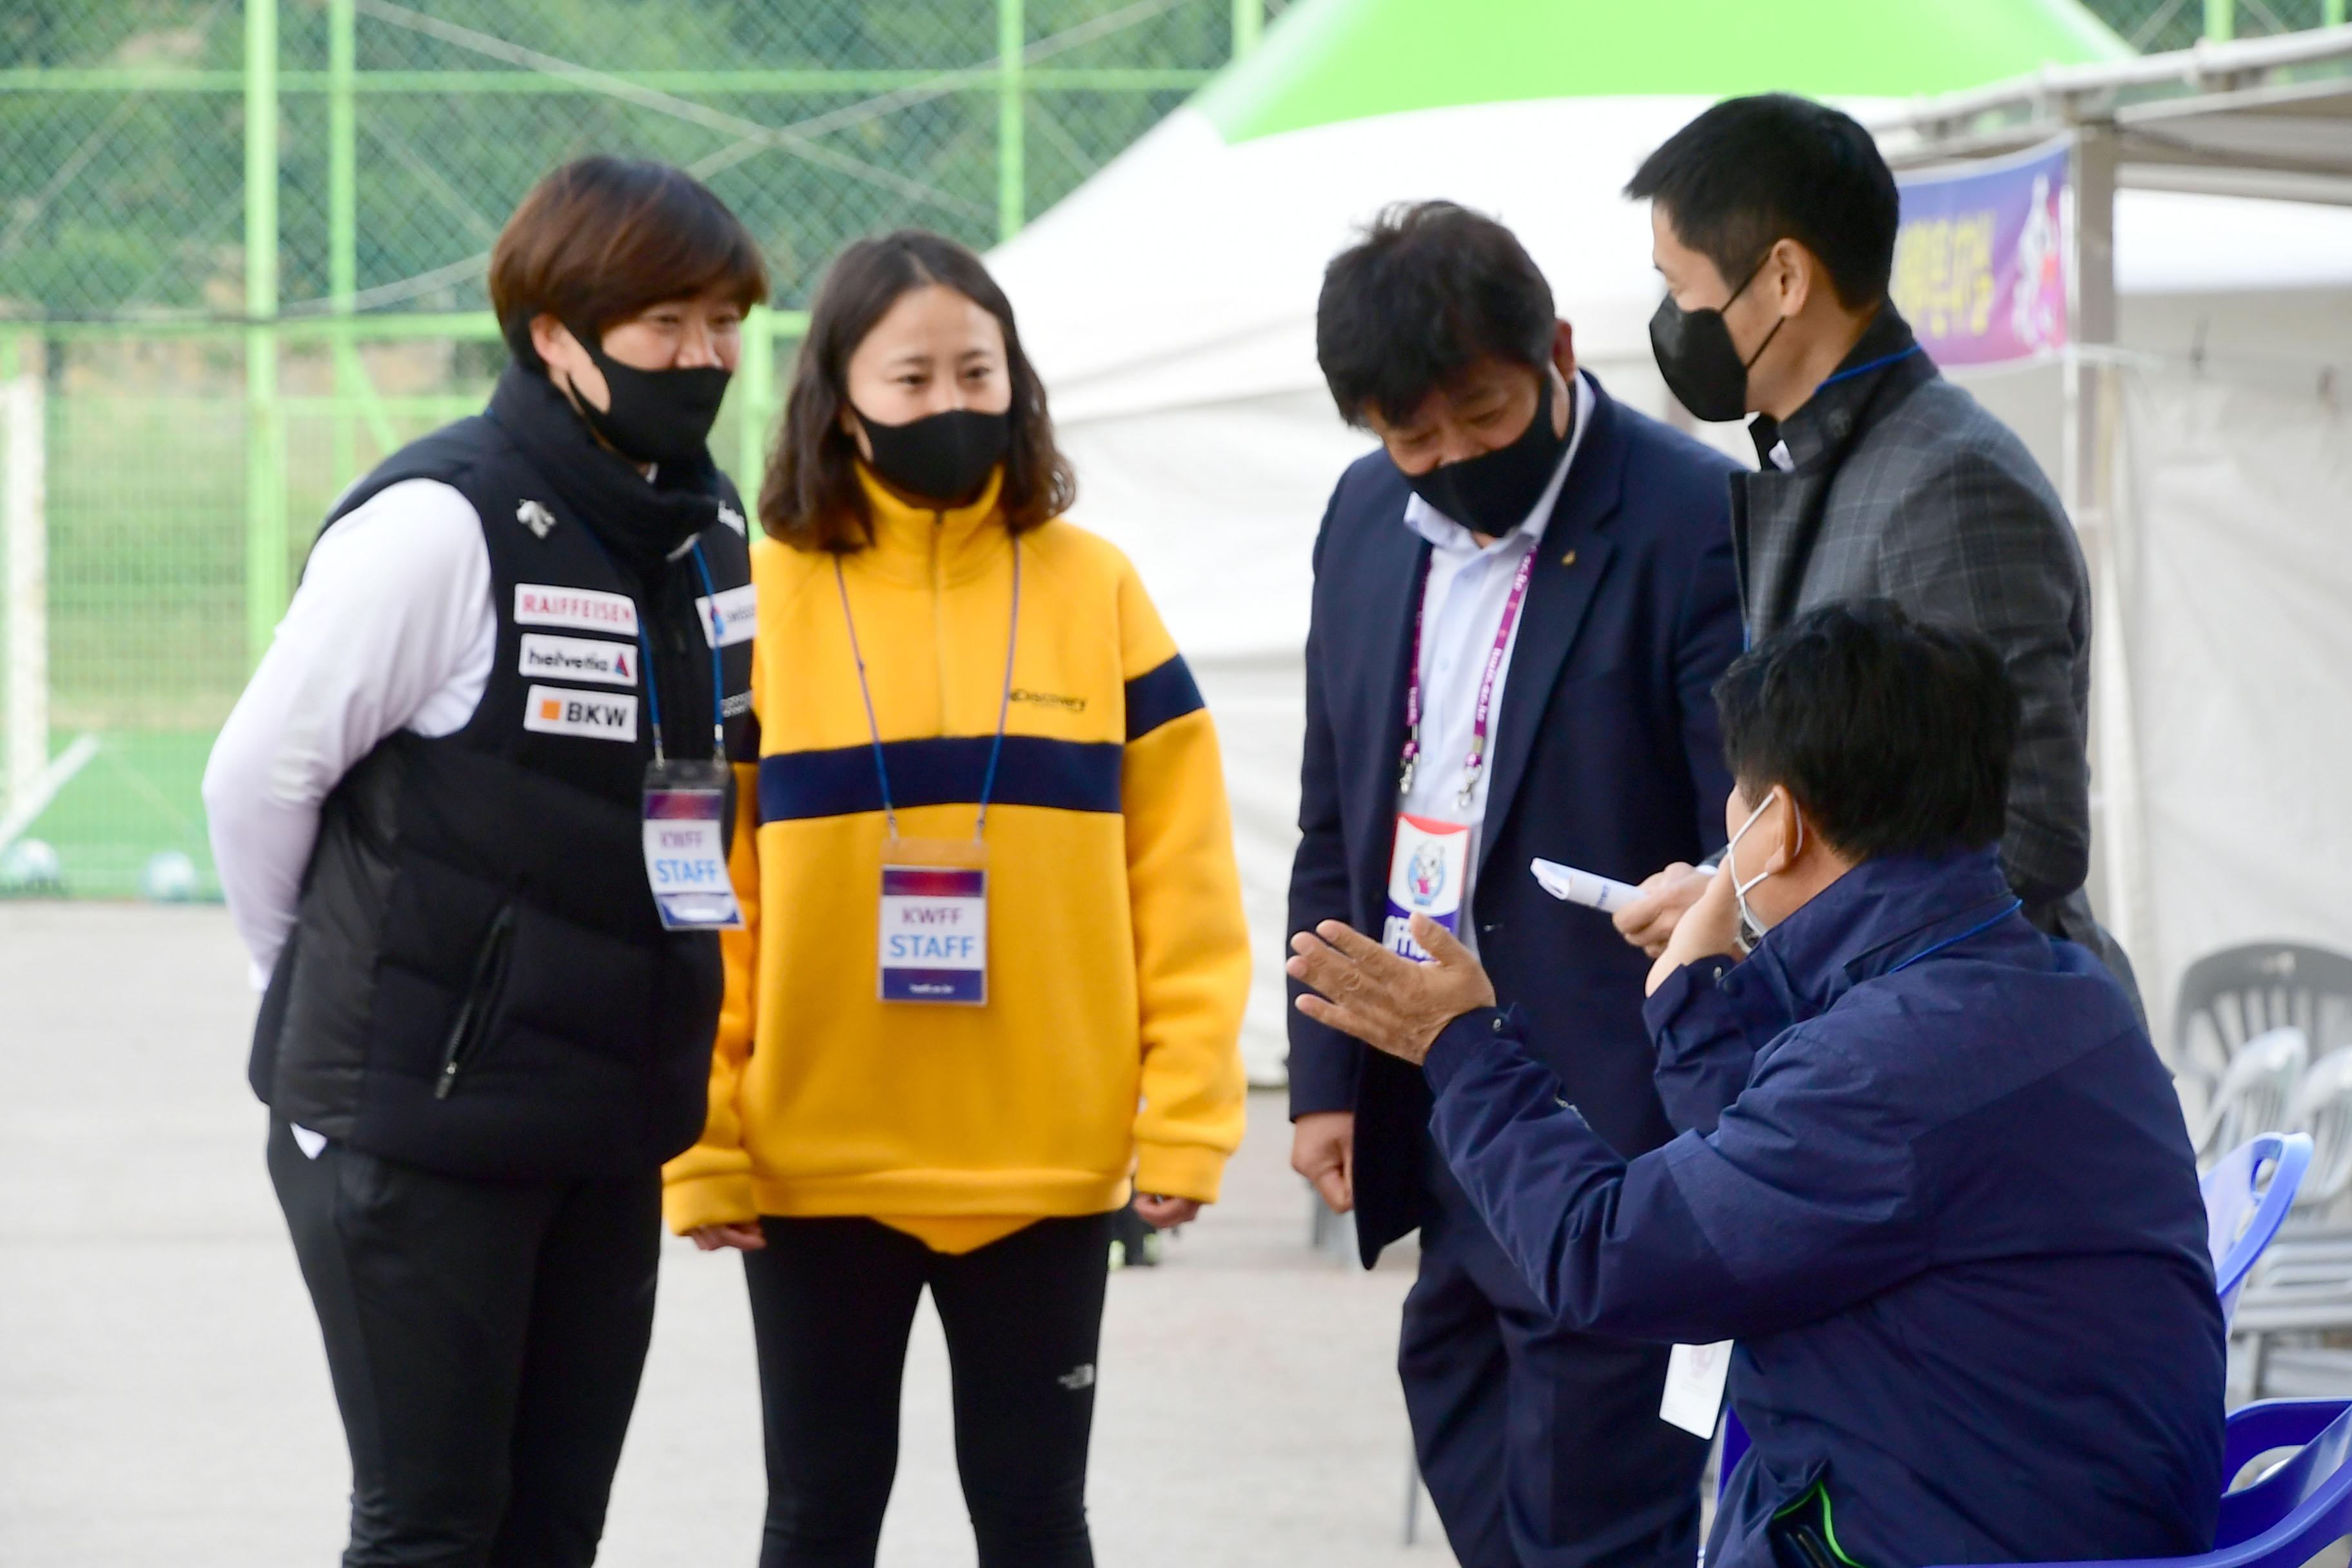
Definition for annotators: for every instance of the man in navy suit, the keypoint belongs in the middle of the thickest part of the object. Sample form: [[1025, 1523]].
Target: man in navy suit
[[1521, 605]]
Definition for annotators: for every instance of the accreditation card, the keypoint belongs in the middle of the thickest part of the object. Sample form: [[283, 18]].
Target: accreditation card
[[1695, 1379], [934, 937], [686, 813], [1426, 872]]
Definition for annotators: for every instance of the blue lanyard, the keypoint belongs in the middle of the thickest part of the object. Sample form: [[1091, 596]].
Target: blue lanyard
[[1872, 364], [2014, 905], [716, 630], [874, 727]]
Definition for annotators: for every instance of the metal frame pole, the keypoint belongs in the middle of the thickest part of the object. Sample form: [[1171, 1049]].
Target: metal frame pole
[[265, 443], [2331, 13], [1011, 175], [26, 549], [342, 221], [2220, 19], [1249, 22], [755, 383]]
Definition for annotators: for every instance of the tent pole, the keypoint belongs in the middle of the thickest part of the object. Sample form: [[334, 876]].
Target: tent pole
[[2221, 20], [1249, 21], [2088, 475]]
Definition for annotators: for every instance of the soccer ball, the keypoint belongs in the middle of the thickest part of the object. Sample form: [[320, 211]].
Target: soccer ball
[[169, 878], [30, 866]]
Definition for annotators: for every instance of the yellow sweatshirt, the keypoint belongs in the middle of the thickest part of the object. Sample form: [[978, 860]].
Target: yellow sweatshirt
[[1117, 959]]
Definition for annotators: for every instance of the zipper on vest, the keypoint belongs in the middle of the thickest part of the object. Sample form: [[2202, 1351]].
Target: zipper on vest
[[474, 1013]]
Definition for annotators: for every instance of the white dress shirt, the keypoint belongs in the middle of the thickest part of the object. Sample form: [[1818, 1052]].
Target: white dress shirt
[[392, 629], [1461, 611]]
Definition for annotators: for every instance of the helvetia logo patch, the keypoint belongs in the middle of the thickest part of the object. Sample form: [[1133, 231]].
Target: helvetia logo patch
[[582, 609], [592, 715], [578, 659]]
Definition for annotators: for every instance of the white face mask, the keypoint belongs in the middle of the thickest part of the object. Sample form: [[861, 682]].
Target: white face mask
[[1752, 930]]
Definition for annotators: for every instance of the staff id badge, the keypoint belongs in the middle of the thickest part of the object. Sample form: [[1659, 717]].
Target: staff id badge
[[1425, 876], [685, 847], [1693, 1393], [934, 944]]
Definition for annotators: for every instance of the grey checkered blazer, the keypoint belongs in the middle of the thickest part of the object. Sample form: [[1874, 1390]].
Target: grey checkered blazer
[[1902, 487]]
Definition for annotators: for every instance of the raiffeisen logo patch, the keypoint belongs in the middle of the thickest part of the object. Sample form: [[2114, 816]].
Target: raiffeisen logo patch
[[578, 659], [582, 609], [592, 715]]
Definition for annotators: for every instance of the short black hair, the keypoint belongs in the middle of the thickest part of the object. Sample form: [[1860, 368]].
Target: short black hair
[[1431, 289], [1894, 735], [1753, 171]]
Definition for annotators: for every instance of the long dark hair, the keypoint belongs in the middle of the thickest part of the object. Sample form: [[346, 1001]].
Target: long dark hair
[[811, 498]]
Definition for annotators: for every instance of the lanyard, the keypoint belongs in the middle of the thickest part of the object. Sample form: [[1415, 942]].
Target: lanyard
[[646, 659], [2014, 905], [1865, 369], [1483, 711], [874, 727]]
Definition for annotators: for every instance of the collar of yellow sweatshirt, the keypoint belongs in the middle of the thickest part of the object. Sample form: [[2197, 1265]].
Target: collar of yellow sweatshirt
[[917, 542]]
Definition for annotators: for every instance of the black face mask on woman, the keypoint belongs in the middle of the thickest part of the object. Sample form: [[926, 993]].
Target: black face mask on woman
[[1701, 363], [1493, 492], [943, 458], [656, 416]]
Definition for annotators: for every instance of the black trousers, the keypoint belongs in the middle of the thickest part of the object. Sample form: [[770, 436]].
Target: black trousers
[[485, 1338], [1542, 1448], [832, 1304]]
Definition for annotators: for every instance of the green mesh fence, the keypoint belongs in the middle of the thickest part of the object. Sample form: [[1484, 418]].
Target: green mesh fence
[[192, 417], [241, 250]]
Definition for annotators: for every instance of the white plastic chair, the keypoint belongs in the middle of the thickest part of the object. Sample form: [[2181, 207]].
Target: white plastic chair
[[2256, 1091]]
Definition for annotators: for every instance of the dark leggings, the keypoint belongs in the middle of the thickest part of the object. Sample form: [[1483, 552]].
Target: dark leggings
[[832, 1304]]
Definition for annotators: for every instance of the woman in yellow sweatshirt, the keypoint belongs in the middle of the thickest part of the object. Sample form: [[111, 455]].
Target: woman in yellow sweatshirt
[[992, 961]]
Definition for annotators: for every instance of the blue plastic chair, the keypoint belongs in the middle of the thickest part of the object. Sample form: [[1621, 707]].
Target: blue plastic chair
[[2299, 1507], [2240, 1221]]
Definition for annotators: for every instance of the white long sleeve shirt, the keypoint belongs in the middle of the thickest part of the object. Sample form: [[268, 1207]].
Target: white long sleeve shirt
[[392, 629], [1461, 611]]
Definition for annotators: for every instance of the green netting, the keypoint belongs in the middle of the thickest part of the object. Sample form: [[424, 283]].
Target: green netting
[[178, 501]]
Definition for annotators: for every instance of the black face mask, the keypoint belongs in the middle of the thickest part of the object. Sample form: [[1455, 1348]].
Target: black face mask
[[1699, 360], [657, 415], [1493, 492], [943, 458]]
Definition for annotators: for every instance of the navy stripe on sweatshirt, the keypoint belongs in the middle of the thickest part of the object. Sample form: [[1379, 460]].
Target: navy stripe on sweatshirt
[[1061, 776], [1159, 696]]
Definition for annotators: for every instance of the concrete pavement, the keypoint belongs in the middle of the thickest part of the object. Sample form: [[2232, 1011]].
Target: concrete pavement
[[163, 1397]]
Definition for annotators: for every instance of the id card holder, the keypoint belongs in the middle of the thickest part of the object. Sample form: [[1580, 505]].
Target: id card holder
[[686, 812], [1695, 1379], [934, 938], [1426, 871]]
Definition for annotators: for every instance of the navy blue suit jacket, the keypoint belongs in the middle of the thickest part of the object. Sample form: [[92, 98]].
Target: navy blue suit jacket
[[1606, 756]]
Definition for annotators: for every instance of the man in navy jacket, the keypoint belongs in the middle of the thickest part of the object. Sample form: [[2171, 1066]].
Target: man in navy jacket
[[1932, 1177], [1563, 567]]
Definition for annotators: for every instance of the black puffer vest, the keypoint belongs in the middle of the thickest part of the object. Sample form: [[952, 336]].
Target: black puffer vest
[[478, 980]]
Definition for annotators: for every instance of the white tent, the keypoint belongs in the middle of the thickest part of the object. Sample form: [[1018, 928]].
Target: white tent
[[1170, 305]]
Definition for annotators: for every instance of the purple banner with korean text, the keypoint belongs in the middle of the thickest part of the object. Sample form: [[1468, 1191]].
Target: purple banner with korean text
[[1980, 259]]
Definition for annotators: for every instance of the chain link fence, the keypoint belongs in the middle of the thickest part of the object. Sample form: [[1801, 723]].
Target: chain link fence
[[241, 252]]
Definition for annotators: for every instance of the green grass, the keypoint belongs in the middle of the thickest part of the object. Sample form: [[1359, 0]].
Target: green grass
[[146, 497], [136, 797]]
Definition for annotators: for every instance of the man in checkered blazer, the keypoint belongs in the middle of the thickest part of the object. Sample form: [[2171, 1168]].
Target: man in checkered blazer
[[1774, 222]]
